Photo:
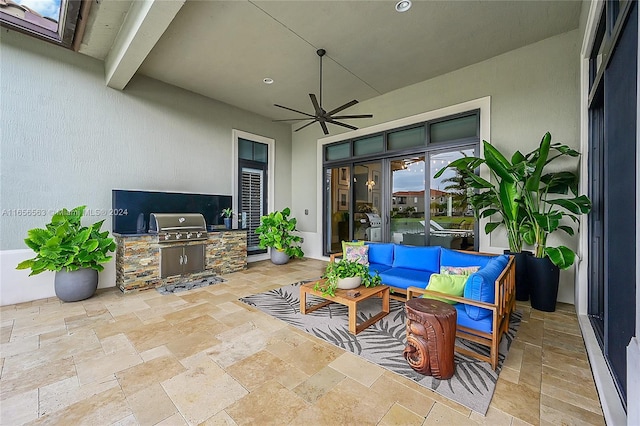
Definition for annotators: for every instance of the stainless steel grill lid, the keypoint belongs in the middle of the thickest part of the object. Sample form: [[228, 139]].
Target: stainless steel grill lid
[[178, 226]]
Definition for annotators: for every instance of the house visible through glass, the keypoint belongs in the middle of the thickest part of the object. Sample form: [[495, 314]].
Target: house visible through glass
[[43, 13]]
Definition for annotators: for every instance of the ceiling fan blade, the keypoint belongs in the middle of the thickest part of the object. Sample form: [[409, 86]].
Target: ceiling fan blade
[[294, 119], [353, 116], [343, 107], [316, 105], [324, 127], [306, 125], [294, 110], [348, 126]]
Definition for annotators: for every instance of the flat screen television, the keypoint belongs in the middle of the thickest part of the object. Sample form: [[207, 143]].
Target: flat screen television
[[132, 208]]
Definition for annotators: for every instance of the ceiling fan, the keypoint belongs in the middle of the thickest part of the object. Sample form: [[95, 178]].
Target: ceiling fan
[[321, 116]]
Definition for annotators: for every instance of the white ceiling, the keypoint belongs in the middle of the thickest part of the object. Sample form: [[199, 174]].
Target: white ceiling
[[224, 49]]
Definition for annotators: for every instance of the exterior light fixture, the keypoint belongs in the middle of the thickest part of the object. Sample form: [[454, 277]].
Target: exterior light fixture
[[403, 5], [267, 80]]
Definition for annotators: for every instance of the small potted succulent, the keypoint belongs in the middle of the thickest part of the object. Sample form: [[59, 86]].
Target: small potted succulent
[[346, 274], [75, 252], [227, 216]]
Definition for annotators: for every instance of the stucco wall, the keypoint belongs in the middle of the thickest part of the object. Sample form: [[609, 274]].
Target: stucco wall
[[533, 90], [68, 140]]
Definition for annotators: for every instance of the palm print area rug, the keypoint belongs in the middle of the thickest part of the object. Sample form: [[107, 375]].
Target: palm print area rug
[[382, 343]]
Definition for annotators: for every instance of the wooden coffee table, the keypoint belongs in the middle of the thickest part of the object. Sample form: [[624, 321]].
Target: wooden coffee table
[[341, 297]]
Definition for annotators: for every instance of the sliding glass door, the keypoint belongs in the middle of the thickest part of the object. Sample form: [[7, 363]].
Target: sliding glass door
[[338, 206], [407, 196], [381, 187], [451, 220]]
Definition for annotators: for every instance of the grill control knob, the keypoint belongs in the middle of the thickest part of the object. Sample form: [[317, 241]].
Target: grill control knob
[[199, 234], [178, 236], [166, 237], [189, 234]]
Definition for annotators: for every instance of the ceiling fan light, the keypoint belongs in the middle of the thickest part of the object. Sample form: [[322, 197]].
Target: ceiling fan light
[[403, 5]]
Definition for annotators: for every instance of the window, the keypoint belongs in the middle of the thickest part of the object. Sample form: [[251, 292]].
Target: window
[[253, 184], [370, 145], [383, 197], [55, 21], [337, 151], [454, 129], [406, 138]]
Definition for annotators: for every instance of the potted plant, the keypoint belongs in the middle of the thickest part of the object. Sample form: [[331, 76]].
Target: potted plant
[[346, 274], [548, 200], [276, 231], [227, 215], [499, 201], [75, 252]]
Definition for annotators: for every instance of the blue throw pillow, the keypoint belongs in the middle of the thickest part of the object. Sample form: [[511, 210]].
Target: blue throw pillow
[[418, 258], [481, 286], [381, 253]]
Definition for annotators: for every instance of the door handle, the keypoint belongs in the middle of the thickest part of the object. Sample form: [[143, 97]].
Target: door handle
[[185, 259]]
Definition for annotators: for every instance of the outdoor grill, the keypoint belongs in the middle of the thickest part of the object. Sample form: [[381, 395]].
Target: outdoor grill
[[172, 227]]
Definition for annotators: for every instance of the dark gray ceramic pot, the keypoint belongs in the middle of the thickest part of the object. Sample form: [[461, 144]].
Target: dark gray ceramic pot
[[76, 285], [279, 257]]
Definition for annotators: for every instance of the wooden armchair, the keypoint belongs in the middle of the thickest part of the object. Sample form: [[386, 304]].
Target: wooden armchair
[[500, 311]]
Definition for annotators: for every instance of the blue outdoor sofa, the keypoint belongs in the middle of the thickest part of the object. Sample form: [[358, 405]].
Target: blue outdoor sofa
[[489, 294]]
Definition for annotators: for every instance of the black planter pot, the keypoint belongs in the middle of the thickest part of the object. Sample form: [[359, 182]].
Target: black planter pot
[[544, 278], [522, 276]]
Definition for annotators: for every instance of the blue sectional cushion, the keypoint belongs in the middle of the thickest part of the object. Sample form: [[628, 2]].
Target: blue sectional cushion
[[463, 320], [405, 278], [377, 267], [418, 258], [381, 253], [481, 286], [455, 258]]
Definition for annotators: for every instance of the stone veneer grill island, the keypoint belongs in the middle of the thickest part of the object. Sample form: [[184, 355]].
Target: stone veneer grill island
[[138, 258]]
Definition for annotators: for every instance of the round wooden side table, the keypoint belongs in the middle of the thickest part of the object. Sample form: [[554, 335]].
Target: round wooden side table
[[431, 337]]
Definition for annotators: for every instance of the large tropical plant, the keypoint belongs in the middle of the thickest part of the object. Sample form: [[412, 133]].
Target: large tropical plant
[[66, 244], [548, 198], [276, 231], [499, 201]]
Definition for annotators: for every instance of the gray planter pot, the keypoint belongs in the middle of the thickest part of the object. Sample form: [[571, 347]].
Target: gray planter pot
[[76, 285], [227, 222], [279, 257]]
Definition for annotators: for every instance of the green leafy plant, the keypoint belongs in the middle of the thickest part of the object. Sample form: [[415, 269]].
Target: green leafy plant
[[549, 198], [530, 203], [345, 269], [227, 213], [65, 243], [276, 231], [499, 201]]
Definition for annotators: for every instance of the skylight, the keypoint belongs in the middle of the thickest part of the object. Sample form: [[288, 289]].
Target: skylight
[[46, 8], [51, 20]]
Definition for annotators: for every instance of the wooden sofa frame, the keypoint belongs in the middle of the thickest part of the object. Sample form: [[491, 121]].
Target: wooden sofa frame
[[501, 310]]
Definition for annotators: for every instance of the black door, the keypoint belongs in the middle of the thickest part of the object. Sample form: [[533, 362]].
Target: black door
[[613, 123]]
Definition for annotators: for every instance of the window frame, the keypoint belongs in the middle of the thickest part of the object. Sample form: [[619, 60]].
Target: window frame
[[73, 15], [426, 148]]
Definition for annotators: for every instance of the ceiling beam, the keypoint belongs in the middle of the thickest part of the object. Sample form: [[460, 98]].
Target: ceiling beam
[[145, 23]]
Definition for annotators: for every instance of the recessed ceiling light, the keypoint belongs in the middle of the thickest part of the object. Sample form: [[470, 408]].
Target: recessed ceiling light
[[267, 80], [403, 5]]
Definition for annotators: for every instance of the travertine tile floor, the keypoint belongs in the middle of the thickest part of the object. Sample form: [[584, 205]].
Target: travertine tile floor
[[202, 357]]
